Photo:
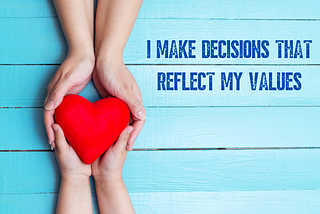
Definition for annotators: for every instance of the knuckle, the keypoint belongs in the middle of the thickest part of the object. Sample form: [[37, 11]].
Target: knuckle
[[56, 93], [136, 103], [126, 87], [119, 93], [66, 75], [125, 138]]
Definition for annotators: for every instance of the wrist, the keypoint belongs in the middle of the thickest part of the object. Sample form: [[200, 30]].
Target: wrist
[[112, 178], [86, 54], [76, 178], [107, 185], [77, 183], [109, 57]]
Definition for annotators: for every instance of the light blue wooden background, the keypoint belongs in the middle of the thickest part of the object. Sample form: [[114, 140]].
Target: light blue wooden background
[[199, 152]]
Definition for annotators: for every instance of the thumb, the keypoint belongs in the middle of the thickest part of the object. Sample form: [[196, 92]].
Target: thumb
[[60, 140], [123, 139], [56, 96]]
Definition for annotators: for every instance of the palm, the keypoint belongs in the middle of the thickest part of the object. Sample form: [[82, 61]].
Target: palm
[[108, 162], [73, 164], [80, 73], [114, 80]]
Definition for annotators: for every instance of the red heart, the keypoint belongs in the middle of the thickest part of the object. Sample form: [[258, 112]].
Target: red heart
[[91, 128]]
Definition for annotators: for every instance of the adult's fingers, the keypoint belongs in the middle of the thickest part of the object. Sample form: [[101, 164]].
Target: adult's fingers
[[134, 103], [122, 141], [52, 102], [60, 141], [48, 122], [137, 125], [57, 94]]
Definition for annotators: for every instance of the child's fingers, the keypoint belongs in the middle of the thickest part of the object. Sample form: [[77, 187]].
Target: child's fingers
[[60, 140], [123, 139], [137, 125]]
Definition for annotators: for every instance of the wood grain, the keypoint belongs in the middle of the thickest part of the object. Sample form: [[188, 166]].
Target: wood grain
[[25, 86], [178, 171], [176, 167], [181, 128], [186, 9], [242, 202], [43, 42]]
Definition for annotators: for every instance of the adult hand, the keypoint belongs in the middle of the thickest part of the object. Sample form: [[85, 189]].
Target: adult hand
[[71, 78], [116, 80]]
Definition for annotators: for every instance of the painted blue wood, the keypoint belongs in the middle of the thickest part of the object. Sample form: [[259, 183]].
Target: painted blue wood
[[232, 181], [231, 9], [178, 171], [34, 203], [25, 86], [198, 30], [219, 127], [27, 8], [200, 9], [43, 41], [242, 202]]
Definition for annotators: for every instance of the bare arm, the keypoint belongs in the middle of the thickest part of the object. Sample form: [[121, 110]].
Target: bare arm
[[114, 22], [76, 18], [74, 194], [112, 194]]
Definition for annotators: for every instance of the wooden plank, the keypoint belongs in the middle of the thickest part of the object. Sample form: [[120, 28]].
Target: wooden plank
[[42, 42], [27, 8], [201, 9], [178, 171], [48, 44], [225, 127], [25, 86], [232, 9], [242, 202], [34, 203]]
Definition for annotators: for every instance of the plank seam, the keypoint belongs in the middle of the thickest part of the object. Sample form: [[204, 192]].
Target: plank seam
[[187, 64], [189, 149], [153, 107], [179, 18]]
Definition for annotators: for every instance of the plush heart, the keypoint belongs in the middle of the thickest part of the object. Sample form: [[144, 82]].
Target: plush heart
[[91, 128]]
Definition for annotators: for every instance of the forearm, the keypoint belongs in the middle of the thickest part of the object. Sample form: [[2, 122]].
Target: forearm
[[76, 19], [113, 198], [74, 197], [114, 22]]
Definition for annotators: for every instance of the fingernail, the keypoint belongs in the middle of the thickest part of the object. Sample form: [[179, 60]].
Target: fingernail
[[51, 147], [130, 149], [49, 105], [50, 143], [55, 128], [139, 115]]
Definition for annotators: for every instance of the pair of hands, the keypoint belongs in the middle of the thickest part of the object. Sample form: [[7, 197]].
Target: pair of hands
[[107, 167], [110, 78]]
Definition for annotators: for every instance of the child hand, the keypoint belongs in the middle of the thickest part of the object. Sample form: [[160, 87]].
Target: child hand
[[71, 78], [114, 78], [70, 164], [108, 167]]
